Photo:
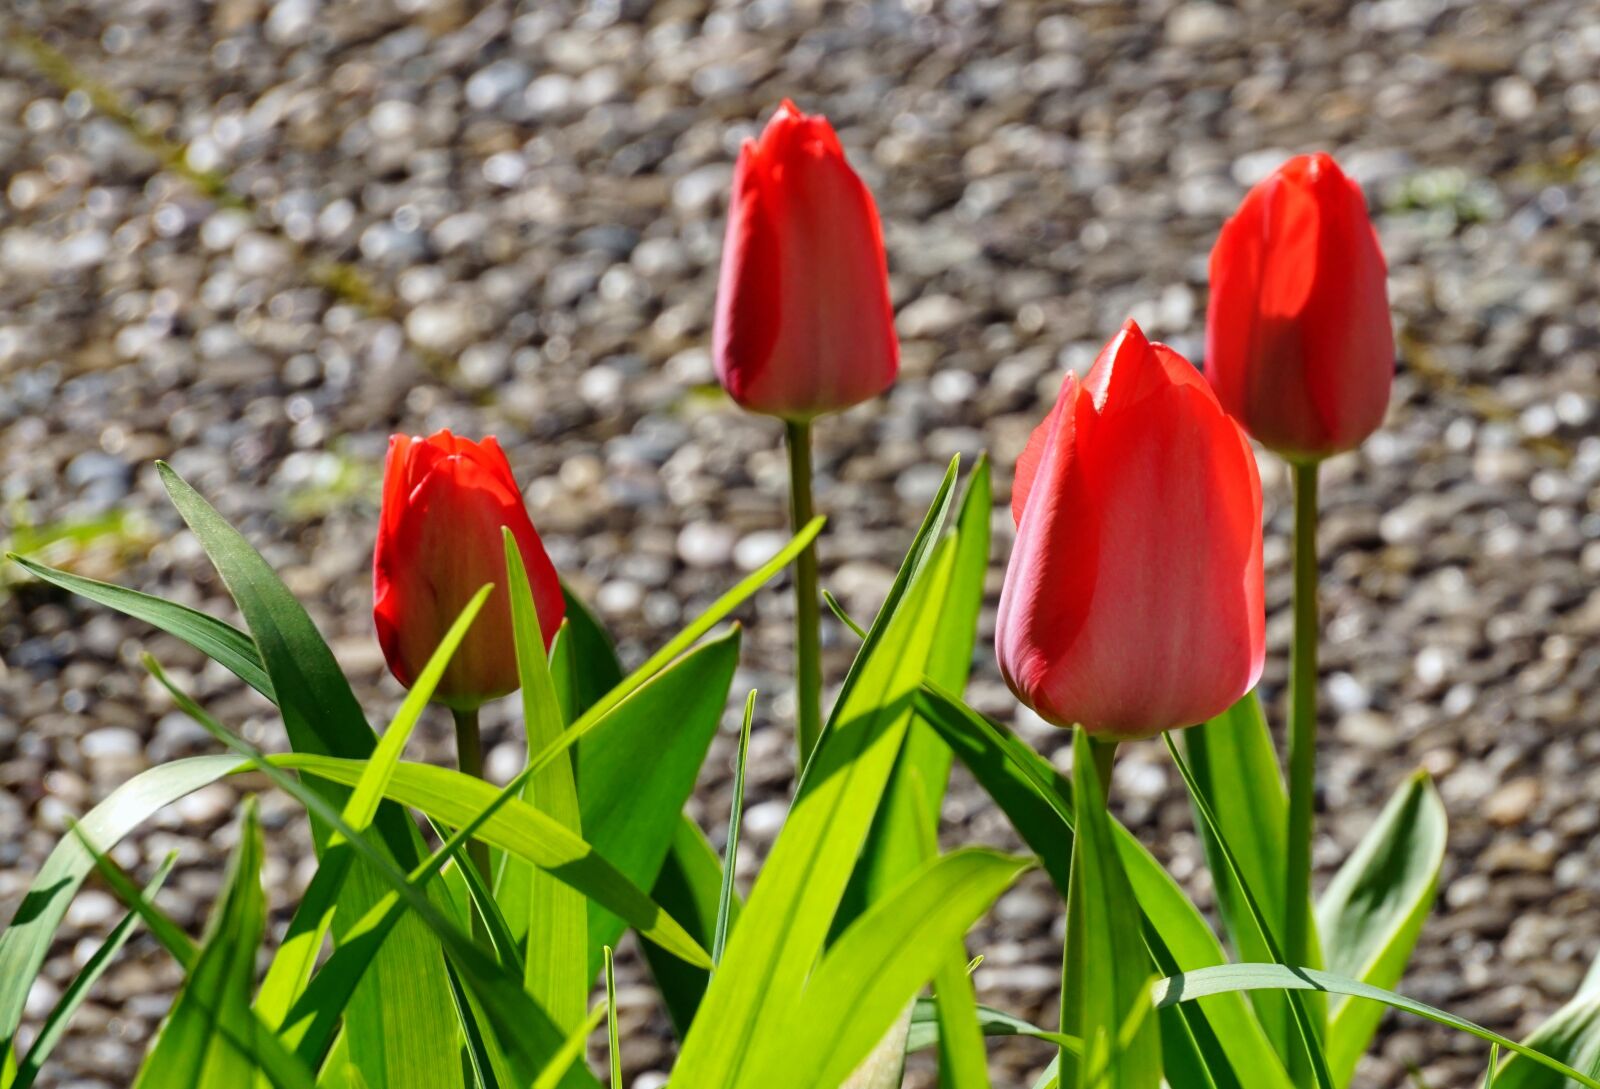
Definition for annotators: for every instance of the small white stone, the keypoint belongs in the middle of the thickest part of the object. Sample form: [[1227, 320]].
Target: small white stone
[[706, 544], [442, 326], [755, 549]]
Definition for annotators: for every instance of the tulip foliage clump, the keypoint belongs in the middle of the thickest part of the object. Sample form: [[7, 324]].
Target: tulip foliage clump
[[460, 933]]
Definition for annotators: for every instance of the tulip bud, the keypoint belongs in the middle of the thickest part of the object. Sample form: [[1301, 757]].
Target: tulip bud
[[445, 500], [1133, 602], [1298, 342], [803, 323]]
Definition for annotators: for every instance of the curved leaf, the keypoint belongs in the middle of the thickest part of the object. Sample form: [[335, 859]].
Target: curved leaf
[[25, 942], [1572, 1034], [403, 1028], [1372, 913], [216, 639], [211, 1039], [869, 975], [1251, 977], [666, 726], [785, 924], [1038, 803], [516, 827]]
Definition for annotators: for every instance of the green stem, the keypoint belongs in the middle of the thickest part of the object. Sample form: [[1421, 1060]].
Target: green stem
[[1074, 949], [807, 610], [1302, 718], [469, 758]]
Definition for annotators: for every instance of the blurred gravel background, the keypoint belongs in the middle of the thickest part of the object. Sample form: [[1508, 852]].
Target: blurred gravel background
[[534, 194]]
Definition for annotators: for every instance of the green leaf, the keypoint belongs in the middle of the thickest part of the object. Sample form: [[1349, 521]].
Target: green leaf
[[689, 887], [917, 789], [925, 755], [785, 922], [215, 639], [516, 827], [522, 1027], [1108, 968], [583, 663], [291, 966], [894, 845], [925, 1030], [55, 1024], [403, 1032], [249, 1042], [1305, 1026], [963, 1060], [26, 941], [1038, 803], [168, 934], [1571, 1034], [613, 1048], [867, 978], [950, 661], [726, 896], [594, 715], [211, 1040], [1236, 767], [556, 973], [1372, 913], [1249, 977], [571, 1051], [666, 726]]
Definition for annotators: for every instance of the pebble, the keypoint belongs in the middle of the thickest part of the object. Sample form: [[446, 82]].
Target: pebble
[[1513, 803]]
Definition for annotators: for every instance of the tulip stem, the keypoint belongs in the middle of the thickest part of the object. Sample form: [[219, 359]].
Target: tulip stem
[[807, 609], [469, 759], [1302, 717]]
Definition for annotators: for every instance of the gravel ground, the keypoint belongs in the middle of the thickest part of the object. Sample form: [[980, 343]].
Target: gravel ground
[[534, 194]]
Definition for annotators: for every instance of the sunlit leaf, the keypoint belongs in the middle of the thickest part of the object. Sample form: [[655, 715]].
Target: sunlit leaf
[[1372, 913]]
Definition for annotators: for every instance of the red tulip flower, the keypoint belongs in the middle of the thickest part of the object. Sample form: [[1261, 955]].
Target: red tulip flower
[[445, 500], [1133, 602], [803, 322], [1298, 342]]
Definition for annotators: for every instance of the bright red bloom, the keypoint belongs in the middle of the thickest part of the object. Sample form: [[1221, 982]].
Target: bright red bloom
[[1133, 602], [803, 323], [1298, 342], [445, 500]]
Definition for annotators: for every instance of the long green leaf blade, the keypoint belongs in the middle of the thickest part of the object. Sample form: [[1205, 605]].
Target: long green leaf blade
[[1038, 802], [1236, 767], [403, 1029], [1372, 914], [730, 858], [555, 972], [614, 1048], [25, 942], [211, 1040], [291, 965], [214, 638], [55, 1024], [455, 799], [1301, 1010], [1109, 969], [785, 922], [523, 1029], [714, 615], [925, 1030], [866, 979], [1571, 1034], [1246, 977], [689, 887], [667, 726]]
